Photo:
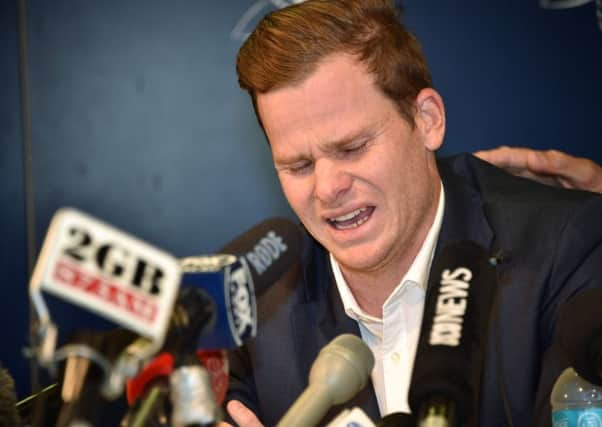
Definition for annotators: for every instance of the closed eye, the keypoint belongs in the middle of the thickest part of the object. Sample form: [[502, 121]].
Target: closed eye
[[354, 148], [299, 168]]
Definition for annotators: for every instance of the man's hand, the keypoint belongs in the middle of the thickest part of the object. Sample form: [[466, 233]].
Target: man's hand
[[241, 415], [549, 167]]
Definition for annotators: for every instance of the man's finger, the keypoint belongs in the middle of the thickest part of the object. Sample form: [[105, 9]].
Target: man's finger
[[542, 178], [242, 415], [551, 167], [573, 172], [512, 158]]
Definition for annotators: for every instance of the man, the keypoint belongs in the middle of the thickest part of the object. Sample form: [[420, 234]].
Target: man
[[344, 96]]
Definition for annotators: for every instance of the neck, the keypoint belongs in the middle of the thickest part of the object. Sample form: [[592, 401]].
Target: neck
[[371, 289]]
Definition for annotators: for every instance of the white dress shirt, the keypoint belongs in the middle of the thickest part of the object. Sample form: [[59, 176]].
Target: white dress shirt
[[394, 338]]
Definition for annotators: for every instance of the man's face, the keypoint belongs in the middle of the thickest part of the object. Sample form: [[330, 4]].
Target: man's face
[[355, 172]]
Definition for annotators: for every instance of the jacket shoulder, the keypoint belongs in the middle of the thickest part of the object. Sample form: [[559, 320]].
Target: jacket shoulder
[[498, 186]]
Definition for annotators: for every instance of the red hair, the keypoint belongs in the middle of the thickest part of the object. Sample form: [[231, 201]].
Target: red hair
[[288, 44]]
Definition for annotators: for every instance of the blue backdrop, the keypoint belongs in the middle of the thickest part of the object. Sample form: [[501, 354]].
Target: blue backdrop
[[137, 117]]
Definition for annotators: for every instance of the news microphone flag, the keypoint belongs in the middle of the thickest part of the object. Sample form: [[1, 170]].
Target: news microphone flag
[[449, 357], [228, 283], [249, 264]]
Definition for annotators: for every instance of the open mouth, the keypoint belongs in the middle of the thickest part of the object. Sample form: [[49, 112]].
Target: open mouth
[[352, 219]]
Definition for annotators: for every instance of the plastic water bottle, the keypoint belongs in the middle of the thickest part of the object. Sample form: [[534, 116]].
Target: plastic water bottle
[[575, 402]]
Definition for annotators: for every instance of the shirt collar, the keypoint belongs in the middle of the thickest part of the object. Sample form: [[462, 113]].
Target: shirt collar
[[417, 273]]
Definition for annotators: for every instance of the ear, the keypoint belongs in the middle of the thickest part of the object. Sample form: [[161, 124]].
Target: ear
[[430, 118]]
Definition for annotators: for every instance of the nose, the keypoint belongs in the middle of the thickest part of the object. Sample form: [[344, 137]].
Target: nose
[[331, 181]]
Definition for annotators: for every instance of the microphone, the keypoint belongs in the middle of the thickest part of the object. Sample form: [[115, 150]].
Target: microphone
[[270, 248], [397, 419], [151, 387], [177, 373], [9, 416], [83, 376], [357, 418], [352, 417], [216, 310], [187, 381], [107, 272], [114, 276], [215, 361], [579, 332], [81, 385], [448, 365], [192, 398], [340, 371], [243, 268]]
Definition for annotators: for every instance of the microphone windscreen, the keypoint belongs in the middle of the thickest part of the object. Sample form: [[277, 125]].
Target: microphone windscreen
[[270, 249], [456, 313], [243, 268], [579, 331], [215, 361], [340, 371], [343, 367]]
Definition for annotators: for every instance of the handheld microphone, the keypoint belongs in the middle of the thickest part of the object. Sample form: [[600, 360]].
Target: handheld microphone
[[340, 371], [579, 331], [448, 365], [243, 268]]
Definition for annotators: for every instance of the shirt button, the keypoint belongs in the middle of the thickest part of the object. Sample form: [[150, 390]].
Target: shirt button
[[395, 357]]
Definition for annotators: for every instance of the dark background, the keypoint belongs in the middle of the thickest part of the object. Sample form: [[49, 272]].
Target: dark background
[[137, 117]]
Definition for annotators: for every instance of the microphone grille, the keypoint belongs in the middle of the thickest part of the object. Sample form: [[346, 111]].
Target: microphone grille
[[355, 351], [343, 366]]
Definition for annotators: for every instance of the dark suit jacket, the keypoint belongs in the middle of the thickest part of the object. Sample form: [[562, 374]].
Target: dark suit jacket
[[551, 242]]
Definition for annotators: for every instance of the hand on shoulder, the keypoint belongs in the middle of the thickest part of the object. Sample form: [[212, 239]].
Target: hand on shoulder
[[549, 167]]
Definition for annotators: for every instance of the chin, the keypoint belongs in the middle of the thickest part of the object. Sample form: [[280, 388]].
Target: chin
[[359, 258]]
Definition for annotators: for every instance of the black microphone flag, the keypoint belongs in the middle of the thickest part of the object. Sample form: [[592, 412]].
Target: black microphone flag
[[448, 365]]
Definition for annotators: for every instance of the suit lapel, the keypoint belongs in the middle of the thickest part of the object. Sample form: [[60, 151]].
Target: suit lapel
[[321, 318], [464, 218]]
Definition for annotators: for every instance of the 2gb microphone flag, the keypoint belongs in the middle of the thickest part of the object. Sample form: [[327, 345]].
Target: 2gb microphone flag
[[108, 272]]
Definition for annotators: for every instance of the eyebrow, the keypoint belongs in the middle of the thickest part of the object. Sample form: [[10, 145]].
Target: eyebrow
[[350, 139], [332, 146], [328, 147]]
